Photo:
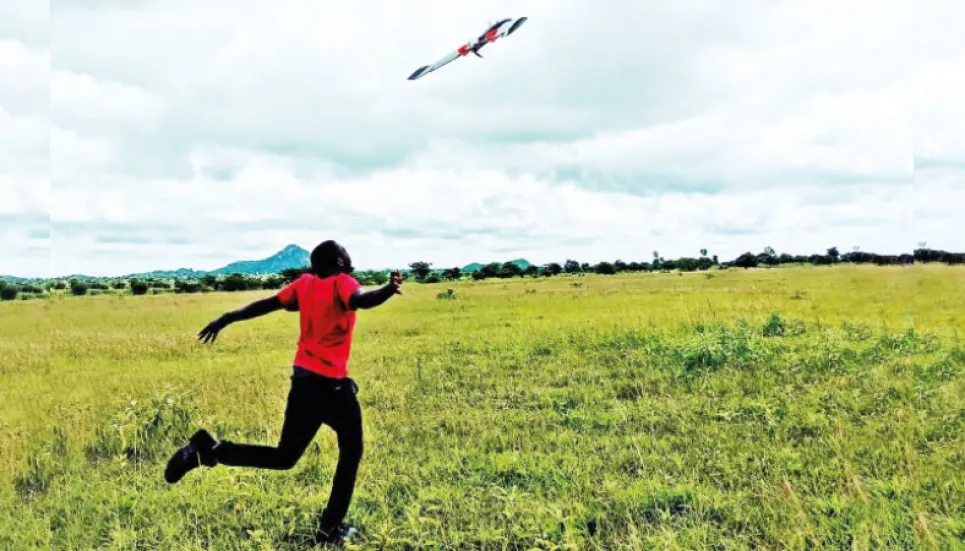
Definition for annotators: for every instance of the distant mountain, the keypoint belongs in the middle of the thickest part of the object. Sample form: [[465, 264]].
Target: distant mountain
[[291, 256], [18, 280]]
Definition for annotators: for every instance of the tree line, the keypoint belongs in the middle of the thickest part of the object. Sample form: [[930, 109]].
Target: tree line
[[423, 272]]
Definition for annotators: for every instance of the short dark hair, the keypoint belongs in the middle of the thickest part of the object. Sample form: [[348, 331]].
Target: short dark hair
[[325, 258]]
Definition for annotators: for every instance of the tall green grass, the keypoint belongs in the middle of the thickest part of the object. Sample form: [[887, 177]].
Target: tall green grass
[[802, 409]]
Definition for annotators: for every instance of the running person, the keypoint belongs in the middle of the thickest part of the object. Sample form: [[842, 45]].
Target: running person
[[321, 391]]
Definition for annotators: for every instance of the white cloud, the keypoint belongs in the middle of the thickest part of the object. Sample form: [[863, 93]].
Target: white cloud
[[24, 138], [79, 100], [192, 134]]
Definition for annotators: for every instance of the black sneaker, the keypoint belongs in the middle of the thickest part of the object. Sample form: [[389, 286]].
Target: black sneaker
[[195, 454], [342, 533]]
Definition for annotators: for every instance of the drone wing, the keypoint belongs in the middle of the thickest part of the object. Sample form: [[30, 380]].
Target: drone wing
[[426, 69], [504, 28]]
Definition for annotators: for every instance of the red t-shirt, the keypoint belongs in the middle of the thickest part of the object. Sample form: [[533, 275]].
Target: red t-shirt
[[326, 322]]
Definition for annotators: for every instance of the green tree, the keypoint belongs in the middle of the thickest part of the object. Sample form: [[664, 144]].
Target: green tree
[[531, 271], [493, 269], [211, 281], [554, 269], [746, 260], [420, 269], [687, 264], [768, 257], [510, 269], [572, 267], [604, 268], [453, 274]]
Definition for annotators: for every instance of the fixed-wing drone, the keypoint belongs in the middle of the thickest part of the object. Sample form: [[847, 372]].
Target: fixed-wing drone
[[495, 31]]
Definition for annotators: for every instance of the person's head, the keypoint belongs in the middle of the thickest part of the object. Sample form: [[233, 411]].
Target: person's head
[[330, 258]]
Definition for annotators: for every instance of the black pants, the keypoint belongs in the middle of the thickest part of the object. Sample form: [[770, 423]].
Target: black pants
[[312, 400]]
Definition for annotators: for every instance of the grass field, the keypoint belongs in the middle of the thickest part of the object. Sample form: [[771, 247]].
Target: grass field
[[800, 408]]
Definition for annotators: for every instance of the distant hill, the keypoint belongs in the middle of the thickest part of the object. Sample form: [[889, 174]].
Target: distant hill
[[17, 280], [475, 266], [291, 256]]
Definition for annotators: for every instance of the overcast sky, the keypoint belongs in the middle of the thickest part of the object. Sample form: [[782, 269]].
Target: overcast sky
[[149, 134]]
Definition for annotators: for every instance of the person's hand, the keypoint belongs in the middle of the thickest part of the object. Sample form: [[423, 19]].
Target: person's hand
[[395, 281], [210, 331]]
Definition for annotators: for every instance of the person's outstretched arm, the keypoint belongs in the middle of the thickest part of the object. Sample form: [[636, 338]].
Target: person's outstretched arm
[[364, 300], [253, 310]]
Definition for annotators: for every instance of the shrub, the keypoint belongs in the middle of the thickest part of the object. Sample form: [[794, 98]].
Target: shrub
[[272, 282], [774, 326], [9, 292], [186, 286], [138, 287], [431, 278], [448, 294], [234, 282], [78, 288]]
